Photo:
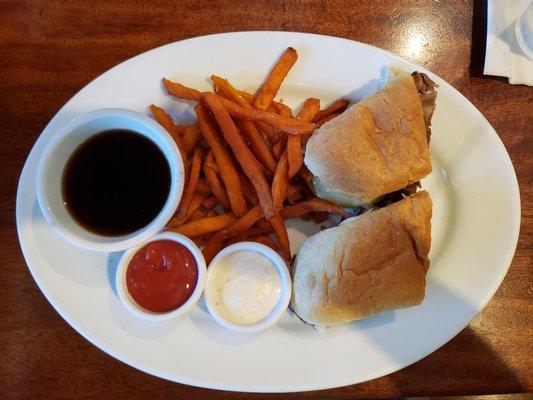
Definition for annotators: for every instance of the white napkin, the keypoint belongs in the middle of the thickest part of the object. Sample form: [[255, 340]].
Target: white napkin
[[503, 56]]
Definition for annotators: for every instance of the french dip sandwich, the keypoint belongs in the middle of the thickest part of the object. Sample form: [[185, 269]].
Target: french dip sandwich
[[377, 146], [366, 265]]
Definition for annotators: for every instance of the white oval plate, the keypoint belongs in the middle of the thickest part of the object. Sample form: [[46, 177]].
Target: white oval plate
[[475, 228]]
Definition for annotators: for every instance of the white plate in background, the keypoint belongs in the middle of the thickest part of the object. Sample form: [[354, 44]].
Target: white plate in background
[[476, 220]]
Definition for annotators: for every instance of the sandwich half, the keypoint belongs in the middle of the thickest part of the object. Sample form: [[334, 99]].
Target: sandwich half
[[377, 146], [366, 265]]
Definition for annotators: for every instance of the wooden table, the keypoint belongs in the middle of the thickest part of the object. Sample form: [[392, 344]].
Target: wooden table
[[51, 49]]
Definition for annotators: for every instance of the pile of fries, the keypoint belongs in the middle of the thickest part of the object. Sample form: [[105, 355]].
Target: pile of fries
[[244, 163]]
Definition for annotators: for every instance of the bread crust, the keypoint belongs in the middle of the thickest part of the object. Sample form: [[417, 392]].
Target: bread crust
[[366, 265], [377, 146]]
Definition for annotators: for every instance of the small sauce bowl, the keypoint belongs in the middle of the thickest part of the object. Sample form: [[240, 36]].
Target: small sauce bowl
[[57, 154], [140, 312], [215, 280]]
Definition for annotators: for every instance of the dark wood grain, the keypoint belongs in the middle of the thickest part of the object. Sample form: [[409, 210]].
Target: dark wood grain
[[51, 49]]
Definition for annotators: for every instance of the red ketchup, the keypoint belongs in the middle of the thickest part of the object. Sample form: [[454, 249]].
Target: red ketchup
[[162, 276]]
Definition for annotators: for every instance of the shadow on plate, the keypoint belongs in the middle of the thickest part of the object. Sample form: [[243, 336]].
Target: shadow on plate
[[212, 330]]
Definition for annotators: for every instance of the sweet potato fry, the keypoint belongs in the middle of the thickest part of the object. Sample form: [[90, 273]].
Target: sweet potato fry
[[327, 118], [174, 130], [227, 169], [211, 177], [309, 109], [337, 107], [311, 205], [294, 155], [270, 87], [280, 182], [242, 153], [190, 187], [282, 109], [280, 146], [267, 131], [216, 242], [281, 234], [165, 120], [190, 137], [259, 146], [180, 91], [265, 240], [206, 225], [230, 92], [196, 203], [248, 190], [253, 231]]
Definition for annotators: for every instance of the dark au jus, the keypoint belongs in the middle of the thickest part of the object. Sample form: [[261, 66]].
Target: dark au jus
[[116, 182]]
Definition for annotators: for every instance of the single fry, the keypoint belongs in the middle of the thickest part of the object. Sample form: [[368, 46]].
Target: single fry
[[337, 107], [253, 231], [190, 188], [211, 176], [270, 87], [227, 169], [216, 242], [311, 205], [206, 225], [230, 92], [309, 110], [196, 203], [190, 137], [165, 120], [280, 183], [266, 241], [281, 234], [180, 91], [280, 146], [294, 154], [325, 119], [174, 130], [241, 151], [248, 190], [282, 109]]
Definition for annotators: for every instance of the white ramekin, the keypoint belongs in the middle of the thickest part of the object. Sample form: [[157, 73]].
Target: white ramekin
[[59, 149], [136, 309], [283, 300]]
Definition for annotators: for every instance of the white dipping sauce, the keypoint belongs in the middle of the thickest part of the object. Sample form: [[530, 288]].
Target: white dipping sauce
[[245, 287]]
